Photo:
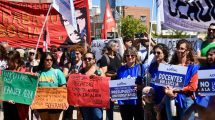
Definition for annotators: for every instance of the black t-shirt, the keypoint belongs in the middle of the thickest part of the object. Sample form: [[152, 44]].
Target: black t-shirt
[[115, 63]]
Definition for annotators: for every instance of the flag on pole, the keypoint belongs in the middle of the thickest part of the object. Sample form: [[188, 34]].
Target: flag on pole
[[46, 39], [108, 22], [67, 10]]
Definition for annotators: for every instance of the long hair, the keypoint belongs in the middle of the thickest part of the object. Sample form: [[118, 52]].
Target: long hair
[[131, 51], [43, 58], [3, 53], [164, 49], [14, 56], [190, 56]]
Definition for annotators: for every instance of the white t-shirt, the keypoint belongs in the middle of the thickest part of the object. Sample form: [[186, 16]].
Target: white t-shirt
[[3, 64]]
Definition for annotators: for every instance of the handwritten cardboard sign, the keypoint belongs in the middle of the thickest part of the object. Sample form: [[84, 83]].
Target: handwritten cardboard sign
[[206, 84], [50, 98], [171, 75], [123, 89], [88, 92], [18, 87]]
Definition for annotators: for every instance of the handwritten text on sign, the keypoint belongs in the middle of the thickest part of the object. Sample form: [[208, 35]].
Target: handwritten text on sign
[[88, 92], [206, 82], [123, 89], [171, 75], [50, 98], [18, 87]]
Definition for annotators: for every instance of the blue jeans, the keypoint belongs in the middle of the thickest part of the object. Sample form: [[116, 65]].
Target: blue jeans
[[180, 111], [90, 113]]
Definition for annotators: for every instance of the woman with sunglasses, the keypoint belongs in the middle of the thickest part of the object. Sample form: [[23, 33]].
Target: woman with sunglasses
[[184, 98], [50, 77], [132, 109], [154, 109], [90, 69], [15, 111]]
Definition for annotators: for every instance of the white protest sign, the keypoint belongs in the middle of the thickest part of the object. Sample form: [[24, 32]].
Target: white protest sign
[[98, 45], [206, 82], [171, 75], [123, 89]]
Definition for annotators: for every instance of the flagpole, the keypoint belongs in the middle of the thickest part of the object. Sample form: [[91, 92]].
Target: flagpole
[[150, 36], [41, 32]]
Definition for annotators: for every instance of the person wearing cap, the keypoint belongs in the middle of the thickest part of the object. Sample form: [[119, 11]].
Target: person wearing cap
[[31, 60], [132, 108]]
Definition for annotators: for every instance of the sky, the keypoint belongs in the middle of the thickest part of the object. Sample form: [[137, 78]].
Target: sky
[[143, 3]]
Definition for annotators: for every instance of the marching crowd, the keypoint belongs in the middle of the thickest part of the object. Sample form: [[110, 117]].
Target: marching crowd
[[153, 102]]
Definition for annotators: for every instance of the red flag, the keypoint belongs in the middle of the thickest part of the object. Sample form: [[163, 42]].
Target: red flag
[[46, 38], [108, 22]]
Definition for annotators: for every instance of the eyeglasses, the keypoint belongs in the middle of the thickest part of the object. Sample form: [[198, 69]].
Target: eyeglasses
[[54, 50], [89, 59], [130, 56], [182, 49], [48, 60]]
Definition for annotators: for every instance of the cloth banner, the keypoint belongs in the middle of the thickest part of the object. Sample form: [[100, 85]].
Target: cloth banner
[[84, 91], [206, 85], [123, 89], [18, 87], [50, 98], [21, 23], [171, 75], [188, 16]]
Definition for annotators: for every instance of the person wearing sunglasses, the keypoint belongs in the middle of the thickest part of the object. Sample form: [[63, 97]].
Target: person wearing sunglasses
[[154, 109], [50, 77], [132, 108], [207, 44], [90, 69], [183, 98], [31, 60]]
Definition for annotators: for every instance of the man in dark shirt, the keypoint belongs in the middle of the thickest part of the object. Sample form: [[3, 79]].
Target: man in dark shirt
[[109, 63]]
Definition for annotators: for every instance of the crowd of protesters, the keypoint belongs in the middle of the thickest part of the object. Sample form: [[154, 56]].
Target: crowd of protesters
[[153, 102]]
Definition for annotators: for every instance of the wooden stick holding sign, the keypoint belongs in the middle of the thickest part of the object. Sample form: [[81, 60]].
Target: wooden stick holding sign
[[50, 98]]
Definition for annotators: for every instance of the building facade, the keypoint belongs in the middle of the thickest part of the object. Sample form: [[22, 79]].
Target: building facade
[[142, 13]]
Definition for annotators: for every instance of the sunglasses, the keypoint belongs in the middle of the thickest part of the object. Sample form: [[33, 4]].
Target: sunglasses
[[130, 56], [158, 53], [31, 53], [48, 60], [209, 29], [89, 59]]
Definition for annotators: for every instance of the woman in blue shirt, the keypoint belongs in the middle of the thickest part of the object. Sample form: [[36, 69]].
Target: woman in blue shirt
[[132, 108]]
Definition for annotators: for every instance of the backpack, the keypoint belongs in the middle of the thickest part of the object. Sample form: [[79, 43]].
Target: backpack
[[108, 59]]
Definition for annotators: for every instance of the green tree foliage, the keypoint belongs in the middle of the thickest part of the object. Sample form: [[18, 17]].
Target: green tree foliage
[[130, 26]]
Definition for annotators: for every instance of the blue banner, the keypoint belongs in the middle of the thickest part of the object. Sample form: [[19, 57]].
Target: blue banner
[[206, 87], [170, 79], [123, 89]]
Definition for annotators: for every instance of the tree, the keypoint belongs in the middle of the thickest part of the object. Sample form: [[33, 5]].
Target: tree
[[130, 26]]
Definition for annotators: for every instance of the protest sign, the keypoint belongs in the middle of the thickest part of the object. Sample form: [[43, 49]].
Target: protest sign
[[50, 98], [18, 87], [88, 92], [98, 45], [206, 84], [123, 89], [171, 75]]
